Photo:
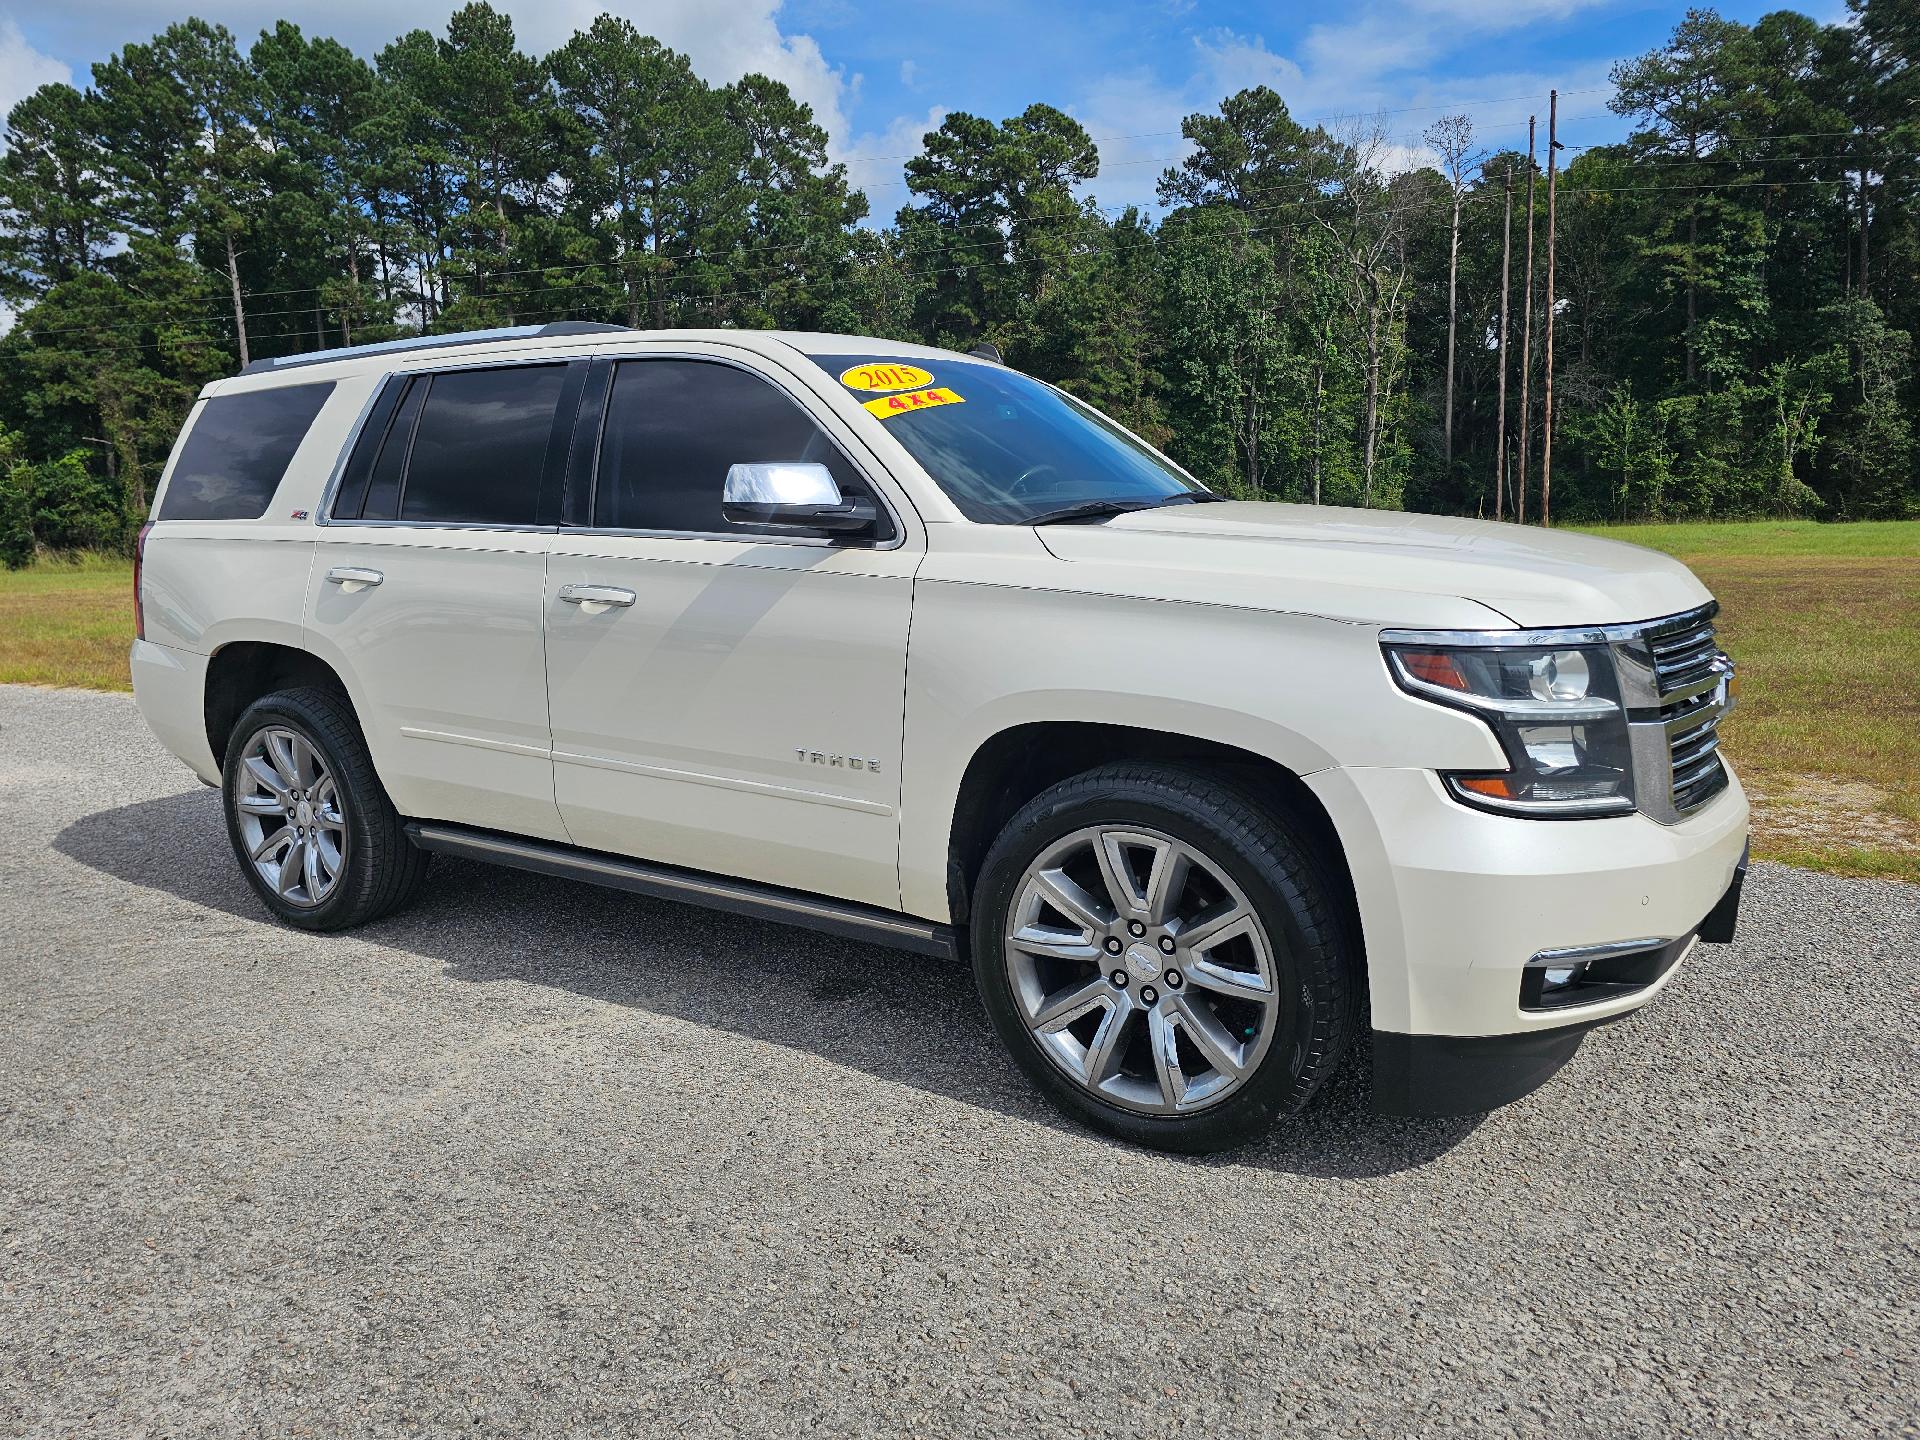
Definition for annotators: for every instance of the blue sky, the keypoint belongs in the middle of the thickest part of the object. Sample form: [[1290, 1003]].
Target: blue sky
[[880, 74]]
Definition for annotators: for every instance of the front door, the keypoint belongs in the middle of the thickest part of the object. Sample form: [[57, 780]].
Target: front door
[[721, 699]]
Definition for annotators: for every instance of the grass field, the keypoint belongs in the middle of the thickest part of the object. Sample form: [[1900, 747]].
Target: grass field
[[67, 622], [1824, 621]]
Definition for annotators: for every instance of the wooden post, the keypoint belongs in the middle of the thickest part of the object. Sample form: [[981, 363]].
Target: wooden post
[[1546, 368], [1526, 348], [1500, 426]]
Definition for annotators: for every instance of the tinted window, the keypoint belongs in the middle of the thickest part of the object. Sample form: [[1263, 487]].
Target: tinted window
[[1003, 445], [382, 481], [238, 450], [675, 427], [480, 446]]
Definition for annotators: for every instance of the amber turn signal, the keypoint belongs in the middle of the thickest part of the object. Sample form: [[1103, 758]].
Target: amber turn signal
[[1433, 667], [1494, 787]]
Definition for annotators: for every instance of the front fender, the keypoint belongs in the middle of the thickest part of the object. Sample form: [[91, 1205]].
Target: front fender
[[1305, 692]]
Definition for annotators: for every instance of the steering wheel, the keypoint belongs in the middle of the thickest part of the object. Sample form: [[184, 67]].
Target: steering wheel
[[1020, 481]]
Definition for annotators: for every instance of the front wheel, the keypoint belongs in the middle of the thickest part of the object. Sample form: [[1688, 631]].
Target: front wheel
[[1163, 958], [310, 823]]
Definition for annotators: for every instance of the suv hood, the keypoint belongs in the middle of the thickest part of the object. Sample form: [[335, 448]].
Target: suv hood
[[1384, 566]]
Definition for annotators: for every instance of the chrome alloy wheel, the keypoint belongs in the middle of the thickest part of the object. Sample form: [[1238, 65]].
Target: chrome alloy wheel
[[1141, 969], [292, 818]]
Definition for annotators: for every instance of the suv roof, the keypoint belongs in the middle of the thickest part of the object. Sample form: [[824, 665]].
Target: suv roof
[[540, 338]]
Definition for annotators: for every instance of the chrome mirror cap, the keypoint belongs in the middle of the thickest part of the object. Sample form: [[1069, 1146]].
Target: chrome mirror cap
[[780, 484], [793, 495]]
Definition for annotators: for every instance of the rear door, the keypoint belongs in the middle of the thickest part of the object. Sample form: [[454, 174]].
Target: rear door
[[732, 701], [428, 588]]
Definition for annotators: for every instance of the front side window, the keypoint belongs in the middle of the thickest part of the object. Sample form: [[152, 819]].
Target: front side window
[[675, 427], [1006, 448], [238, 449]]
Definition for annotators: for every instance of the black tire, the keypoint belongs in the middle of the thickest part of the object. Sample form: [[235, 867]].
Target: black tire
[[383, 869], [1316, 974]]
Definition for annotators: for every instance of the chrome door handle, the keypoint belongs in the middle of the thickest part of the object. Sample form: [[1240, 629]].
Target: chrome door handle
[[354, 577], [597, 595]]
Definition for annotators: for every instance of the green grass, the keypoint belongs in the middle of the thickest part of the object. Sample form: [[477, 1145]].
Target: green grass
[[1754, 539], [67, 621], [1824, 621]]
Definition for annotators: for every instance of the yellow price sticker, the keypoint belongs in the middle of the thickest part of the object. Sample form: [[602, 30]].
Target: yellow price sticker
[[889, 406], [886, 375]]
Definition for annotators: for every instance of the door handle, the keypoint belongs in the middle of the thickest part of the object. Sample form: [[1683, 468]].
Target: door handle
[[596, 595], [354, 577]]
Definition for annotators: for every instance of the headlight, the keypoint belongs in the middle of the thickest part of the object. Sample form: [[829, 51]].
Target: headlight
[[1556, 710]]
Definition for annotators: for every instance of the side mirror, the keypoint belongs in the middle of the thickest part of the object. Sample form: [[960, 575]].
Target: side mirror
[[792, 496]]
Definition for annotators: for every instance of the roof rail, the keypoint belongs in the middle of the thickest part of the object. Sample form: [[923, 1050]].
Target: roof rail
[[435, 342]]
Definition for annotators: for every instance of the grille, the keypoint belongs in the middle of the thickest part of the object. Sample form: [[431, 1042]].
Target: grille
[[1688, 666]]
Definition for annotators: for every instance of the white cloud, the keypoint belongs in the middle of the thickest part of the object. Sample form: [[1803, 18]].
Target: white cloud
[[23, 69], [1404, 62], [875, 160], [908, 69]]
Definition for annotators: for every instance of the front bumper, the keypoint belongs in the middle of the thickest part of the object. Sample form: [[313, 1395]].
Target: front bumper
[[1456, 905]]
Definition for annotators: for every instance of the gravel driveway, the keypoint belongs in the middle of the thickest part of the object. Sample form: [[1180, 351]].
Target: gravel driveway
[[539, 1159]]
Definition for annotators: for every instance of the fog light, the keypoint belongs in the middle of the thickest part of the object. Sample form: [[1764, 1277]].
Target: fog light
[[1560, 977]]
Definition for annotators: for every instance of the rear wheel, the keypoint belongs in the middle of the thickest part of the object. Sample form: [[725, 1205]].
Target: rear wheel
[[311, 825], [1162, 957]]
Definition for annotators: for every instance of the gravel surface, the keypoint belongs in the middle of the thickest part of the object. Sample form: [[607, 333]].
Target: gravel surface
[[539, 1159]]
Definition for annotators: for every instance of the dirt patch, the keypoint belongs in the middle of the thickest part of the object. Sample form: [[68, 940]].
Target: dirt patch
[[1822, 812]]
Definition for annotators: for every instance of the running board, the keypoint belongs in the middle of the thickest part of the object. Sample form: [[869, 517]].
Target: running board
[[667, 882]]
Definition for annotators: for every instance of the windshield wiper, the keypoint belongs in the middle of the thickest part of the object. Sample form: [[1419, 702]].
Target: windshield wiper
[[1095, 509]]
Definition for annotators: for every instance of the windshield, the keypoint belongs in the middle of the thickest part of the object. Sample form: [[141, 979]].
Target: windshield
[[1006, 448]]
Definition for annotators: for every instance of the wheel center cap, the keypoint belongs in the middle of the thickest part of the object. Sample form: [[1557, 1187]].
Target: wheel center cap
[[304, 814], [1144, 961]]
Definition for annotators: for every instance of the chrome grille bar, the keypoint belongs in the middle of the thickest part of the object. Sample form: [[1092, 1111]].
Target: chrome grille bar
[[1689, 673]]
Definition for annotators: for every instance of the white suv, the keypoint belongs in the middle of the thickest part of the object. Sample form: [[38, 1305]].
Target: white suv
[[907, 646]]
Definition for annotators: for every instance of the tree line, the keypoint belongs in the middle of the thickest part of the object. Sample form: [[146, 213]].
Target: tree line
[[1302, 318]]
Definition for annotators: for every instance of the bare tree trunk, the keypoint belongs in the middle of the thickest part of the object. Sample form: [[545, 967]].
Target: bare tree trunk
[[1319, 398], [1453, 317], [1546, 369], [239, 309], [655, 281], [1500, 425], [1371, 432], [1693, 241], [1866, 290], [1253, 442], [380, 239], [1526, 348]]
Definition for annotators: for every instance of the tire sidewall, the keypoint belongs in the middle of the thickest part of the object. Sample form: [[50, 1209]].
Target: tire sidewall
[[1294, 939], [284, 711]]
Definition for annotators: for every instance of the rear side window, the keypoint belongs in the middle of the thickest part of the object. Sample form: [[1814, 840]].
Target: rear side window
[[675, 427], [463, 447], [237, 451], [481, 446]]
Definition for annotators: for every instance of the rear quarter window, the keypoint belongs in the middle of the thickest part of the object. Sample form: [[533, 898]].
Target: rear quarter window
[[238, 450]]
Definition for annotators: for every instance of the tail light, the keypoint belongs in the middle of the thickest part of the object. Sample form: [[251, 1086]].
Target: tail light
[[139, 563]]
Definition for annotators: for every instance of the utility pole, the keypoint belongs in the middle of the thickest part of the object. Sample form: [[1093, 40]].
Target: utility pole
[[1526, 347], [1500, 427], [1546, 372]]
